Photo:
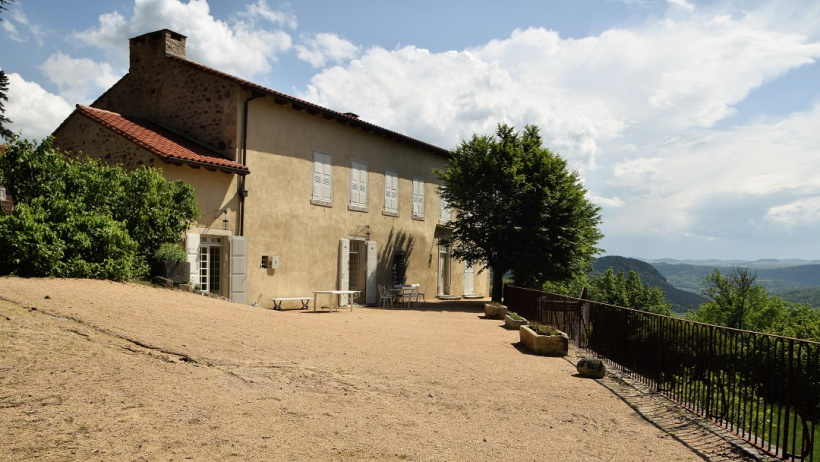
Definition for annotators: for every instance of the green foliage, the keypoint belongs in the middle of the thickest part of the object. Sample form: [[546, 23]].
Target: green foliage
[[680, 301], [5, 132], [543, 329], [737, 300], [170, 252], [518, 208], [515, 316], [573, 287], [629, 292], [79, 218], [807, 295]]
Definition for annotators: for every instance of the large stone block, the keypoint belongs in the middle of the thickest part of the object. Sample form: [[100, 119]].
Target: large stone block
[[547, 345]]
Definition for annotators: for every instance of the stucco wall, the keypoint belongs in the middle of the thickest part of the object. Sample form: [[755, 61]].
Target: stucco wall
[[282, 221]]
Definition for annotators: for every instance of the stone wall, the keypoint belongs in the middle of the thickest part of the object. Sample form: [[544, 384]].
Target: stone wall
[[81, 135], [177, 95]]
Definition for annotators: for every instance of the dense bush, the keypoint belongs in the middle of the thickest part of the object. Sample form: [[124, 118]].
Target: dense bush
[[80, 218]]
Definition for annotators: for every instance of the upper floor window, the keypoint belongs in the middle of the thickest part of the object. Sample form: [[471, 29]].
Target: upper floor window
[[322, 185], [358, 186], [418, 198], [444, 217], [391, 192], [2, 193]]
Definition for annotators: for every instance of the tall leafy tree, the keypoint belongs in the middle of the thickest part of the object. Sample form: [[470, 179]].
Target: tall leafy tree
[[5, 132], [519, 208], [733, 298]]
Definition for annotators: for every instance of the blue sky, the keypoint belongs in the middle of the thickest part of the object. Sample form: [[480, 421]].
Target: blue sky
[[694, 125]]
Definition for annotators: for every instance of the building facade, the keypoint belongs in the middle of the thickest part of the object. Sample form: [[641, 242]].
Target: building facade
[[295, 197]]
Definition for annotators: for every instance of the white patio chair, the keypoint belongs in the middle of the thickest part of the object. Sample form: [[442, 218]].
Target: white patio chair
[[385, 296], [414, 297]]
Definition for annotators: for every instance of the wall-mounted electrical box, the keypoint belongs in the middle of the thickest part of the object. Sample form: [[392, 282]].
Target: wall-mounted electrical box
[[270, 261]]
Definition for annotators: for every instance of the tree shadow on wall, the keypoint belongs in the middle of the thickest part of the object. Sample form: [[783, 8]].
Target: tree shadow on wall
[[390, 261]]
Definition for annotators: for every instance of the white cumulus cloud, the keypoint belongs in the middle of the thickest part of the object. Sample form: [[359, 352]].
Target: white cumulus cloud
[[324, 48], [245, 45], [50, 111], [79, 79]]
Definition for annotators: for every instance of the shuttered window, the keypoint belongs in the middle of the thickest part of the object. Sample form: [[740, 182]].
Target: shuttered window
[[358, 186], [322, 186], [445, 211], [391, 192], [418, 198]]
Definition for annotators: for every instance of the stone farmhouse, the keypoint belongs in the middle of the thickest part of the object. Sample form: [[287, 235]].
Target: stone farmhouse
[[295, 197]]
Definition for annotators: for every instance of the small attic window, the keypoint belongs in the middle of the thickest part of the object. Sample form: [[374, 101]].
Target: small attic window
[[352, 115]]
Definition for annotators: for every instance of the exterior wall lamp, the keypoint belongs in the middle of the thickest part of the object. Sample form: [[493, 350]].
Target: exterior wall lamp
[[359, 229]]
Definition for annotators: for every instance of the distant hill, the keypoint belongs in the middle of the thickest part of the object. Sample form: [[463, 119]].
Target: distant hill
[[681, 300], [763, 263], [774, 278]]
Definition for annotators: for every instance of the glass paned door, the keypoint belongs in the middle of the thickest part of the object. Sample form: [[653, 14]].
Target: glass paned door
[[210, 264]]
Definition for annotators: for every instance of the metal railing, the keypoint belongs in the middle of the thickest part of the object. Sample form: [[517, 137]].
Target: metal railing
[[764, 388]]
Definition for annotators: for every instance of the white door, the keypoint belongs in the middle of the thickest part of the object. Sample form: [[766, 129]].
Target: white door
[[469, 279]]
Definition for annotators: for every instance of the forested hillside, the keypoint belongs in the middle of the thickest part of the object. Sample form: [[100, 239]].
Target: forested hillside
[[798, 284], [681, 300]]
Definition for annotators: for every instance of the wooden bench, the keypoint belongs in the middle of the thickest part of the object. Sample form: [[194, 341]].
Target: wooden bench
[[277, 301]]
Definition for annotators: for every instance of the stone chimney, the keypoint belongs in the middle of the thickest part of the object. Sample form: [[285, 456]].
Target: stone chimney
[[153, 46]]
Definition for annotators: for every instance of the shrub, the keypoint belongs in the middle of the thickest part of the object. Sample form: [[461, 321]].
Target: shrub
[[170, 252], [80, 218]]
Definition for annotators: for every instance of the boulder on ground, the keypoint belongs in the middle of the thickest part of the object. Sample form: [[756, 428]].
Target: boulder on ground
[[163, 282], [591, 367]]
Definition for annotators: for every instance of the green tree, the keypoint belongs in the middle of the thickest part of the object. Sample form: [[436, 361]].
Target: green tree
[[518, 208], [629, 292], [736, 300], [5, 132], [733, 299], [80, 218]]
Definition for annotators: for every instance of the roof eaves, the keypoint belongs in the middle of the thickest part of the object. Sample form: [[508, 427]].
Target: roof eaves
[[310, 108]]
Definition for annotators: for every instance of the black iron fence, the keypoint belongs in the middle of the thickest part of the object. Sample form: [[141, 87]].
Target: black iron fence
[[764, 388]]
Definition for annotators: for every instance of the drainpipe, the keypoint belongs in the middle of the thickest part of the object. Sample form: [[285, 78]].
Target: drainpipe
[[243, 193]]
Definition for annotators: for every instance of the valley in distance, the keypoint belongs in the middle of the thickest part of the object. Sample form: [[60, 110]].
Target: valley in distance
[[794, 280]]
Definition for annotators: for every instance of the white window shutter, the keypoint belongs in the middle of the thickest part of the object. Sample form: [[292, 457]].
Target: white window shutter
[[418, 198], [322, 170], [238, 269], [372, 290], [358, 184], [394, 193], [344, 268], [391, 187], [326, 185], [192, 255], [445, 210]]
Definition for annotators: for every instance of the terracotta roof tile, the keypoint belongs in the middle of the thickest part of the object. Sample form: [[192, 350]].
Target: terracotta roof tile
[[163, 143]]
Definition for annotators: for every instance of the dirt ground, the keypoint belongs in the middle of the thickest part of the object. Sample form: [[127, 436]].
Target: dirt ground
[[97, 370]]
